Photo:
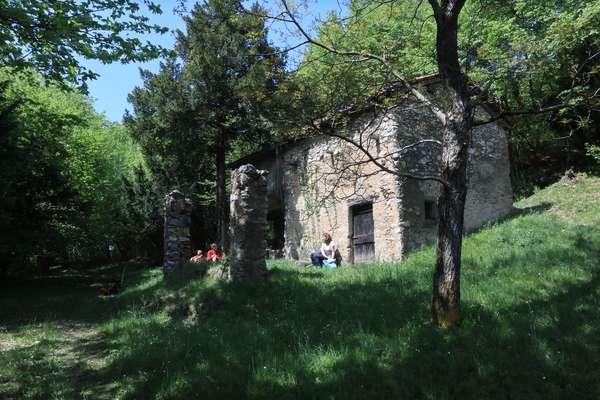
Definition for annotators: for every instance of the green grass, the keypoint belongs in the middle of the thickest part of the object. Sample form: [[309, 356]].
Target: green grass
[[530, 330]]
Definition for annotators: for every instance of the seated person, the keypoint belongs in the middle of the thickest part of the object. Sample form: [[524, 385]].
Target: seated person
[[327, 251], [198, 257], [214, 254], [113, 288]]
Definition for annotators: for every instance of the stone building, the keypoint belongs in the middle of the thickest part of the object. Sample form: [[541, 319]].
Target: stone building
[[324, 184]]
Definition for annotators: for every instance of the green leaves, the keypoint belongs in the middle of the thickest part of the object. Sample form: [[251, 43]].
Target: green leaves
[[221, 85], [62, 166], [52, 36], [402, 32]]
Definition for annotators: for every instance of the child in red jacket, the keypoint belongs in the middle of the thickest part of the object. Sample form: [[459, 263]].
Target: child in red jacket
[[214, 254]]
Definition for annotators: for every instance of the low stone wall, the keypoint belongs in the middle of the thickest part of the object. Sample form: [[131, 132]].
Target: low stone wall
[[178, 210], [248, 223]]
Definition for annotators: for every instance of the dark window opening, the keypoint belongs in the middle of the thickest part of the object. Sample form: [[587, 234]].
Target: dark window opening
[[431, 210], [362, 208], [275, 229]]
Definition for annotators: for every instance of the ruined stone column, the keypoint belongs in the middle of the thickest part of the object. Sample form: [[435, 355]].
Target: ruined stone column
[[178, 210], [248, 223]]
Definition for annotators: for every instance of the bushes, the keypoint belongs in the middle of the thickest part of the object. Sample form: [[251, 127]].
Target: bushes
[[62, 165]]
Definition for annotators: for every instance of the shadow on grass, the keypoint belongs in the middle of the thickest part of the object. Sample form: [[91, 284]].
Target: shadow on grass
[[516, 212], [57, 366], [539, 350], [537, 209], [303, 336], [71, 295], [531, 333]]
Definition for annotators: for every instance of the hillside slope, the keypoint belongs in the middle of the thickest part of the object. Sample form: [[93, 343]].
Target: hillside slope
[[531, 329]]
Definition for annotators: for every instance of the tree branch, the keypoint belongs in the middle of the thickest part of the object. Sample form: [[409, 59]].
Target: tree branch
[[437, 111], [375, 161]]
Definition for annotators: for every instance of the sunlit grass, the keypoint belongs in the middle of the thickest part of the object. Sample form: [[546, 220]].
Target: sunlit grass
[[531, 323]]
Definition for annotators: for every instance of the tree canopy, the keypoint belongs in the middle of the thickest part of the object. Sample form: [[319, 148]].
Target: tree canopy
[[54, 36], [215, 97], [63, 166]]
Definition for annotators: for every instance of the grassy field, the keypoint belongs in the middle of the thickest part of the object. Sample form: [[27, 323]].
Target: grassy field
[[531, 328]]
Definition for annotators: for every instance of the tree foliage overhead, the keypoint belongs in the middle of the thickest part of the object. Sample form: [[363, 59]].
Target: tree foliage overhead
[[162, 122], [526, 55], [403, 31], [500, 40], [54, 36], [531, 55], [230, 67]]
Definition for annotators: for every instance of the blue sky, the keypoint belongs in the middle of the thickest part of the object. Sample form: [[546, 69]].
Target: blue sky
[[116, 81]]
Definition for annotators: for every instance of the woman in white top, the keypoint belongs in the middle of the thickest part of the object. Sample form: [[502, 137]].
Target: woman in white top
[[327, 247]]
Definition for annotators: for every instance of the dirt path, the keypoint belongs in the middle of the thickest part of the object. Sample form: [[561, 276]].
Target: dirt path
[[85, 353], [50, 342], [63, 354]]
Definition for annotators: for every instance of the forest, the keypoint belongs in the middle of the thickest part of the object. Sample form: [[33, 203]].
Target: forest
[[82, 193]]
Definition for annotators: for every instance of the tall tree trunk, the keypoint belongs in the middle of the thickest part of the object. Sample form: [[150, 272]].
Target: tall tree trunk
[[222, 199], [445, 305]]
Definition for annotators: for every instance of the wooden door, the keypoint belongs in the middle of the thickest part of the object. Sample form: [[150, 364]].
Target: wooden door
[[363, 240]]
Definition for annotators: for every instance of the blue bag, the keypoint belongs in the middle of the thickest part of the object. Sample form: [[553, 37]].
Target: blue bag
[[329, 263]]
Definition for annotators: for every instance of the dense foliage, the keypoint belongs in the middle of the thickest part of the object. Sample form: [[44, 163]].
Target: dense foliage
[[211, 101], [527, 55], [53, 36], [532, 55], [62, 168]]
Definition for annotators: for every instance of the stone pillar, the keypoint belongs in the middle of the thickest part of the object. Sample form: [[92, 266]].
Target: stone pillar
[[178, 210], [248, 223]]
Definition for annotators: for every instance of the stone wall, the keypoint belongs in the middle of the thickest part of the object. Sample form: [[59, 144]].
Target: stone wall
[[248, 221], [490, 193], [177, 240], [322, 178], [325, 177]]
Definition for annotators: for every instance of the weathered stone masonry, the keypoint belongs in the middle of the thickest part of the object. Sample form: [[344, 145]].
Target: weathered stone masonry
[[318, 182], [248, 206], [177, 240]]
